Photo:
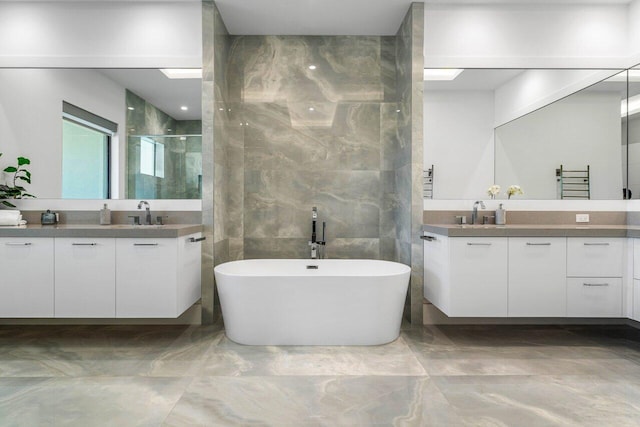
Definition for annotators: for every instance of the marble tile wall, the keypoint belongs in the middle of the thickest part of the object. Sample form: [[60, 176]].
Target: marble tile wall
[[209, 12], [406, 155], [310, 138], [280, 138]]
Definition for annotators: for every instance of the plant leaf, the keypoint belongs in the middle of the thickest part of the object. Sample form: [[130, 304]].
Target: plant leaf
[[10, 169], [23, 161], [4, 202], [24, 178]]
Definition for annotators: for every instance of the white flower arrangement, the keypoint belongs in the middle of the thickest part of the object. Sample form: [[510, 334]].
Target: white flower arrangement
[[514, 190], [493, 191]]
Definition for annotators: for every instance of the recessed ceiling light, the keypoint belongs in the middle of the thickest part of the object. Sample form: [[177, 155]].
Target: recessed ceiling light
[[182, 73], [312, 67], [184, 108], [397, 111], [221, 109], [130, 108], [441, 73], [311, 109]]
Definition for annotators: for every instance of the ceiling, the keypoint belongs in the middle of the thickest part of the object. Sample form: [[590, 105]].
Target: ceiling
[[166, 94], [339, 17]]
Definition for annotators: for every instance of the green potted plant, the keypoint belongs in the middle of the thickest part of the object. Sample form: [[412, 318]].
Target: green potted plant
[[15, 191]]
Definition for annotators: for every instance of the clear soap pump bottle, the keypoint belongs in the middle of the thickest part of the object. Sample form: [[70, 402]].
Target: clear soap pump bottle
[[501, 215], [105, 215]]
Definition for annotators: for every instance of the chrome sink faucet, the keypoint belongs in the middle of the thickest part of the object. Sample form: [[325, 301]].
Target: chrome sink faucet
[[147, 220], [474, 214], [316, 245]]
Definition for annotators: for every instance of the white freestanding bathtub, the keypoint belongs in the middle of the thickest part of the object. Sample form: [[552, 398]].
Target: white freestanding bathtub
[[312, 302]]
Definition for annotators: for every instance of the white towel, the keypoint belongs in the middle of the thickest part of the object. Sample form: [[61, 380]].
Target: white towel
[[11, 220], [6, 214]]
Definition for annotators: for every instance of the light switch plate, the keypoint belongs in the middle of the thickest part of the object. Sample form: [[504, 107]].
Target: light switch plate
[[582, 217]]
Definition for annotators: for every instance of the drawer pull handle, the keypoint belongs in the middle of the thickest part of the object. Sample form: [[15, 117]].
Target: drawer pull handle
[[478, 244], [538, 244], [595, 284], [596, 244], [198, 239], [145, 244], [84, 244], [18, 244], [428, 238]]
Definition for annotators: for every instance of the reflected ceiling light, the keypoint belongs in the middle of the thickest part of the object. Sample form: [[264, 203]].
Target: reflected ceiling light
[[130, 108], [184, 108], [441, 73], [311, 109], [182, 73], [312, 67]]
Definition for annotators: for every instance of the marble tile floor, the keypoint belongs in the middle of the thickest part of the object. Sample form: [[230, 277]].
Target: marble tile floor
[[430, 376]]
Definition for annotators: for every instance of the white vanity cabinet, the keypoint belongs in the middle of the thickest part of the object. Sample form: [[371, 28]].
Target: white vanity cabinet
[[537, 276], [466, 276], [594, 276], [636, 280], [157, 278], [85, 277], [26, 286]]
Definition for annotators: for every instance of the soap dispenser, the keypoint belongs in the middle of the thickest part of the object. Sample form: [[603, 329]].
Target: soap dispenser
[[105, 215], [501, 215]]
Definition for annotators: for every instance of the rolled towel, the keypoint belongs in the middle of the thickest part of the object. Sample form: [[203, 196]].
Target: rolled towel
[[9, 214], [12, 221]]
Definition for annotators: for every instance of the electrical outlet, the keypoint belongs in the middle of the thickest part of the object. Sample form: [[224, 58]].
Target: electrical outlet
[[582, 217]]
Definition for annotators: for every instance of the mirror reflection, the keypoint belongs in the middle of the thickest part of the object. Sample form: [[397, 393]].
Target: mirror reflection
[[103, 133], [557, 134]]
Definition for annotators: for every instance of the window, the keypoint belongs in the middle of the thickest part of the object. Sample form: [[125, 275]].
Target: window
[[151, 157], [86, 142]]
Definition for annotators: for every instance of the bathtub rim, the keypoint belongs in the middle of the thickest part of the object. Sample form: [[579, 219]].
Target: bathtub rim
[[218, 269]]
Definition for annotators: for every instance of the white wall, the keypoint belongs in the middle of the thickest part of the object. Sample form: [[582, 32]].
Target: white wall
[[458, 129], [527, 36], [111, 34], [633, 23], [581, 130], [31, 120], [534, 89]]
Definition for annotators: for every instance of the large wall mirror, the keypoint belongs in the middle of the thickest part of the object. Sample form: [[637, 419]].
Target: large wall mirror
[[558, 134], [103, 133]]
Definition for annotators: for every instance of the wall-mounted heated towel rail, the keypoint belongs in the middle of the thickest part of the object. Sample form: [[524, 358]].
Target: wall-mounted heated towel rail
[[574, 184], [427, 183]]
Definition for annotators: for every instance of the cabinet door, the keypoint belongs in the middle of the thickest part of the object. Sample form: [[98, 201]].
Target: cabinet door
[[85, 277], [594, 257], [594, 297], [146, 273], [537, 277], [478, 277], [26, 287], [436, 285], [636, 258], [636, 300], [189, 271]]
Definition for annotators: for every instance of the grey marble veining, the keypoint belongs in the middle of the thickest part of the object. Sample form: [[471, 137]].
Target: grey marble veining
[[430, 376]]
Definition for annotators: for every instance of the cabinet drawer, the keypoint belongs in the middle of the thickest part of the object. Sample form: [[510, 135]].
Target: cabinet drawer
[[594, 257], [594, 297]]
